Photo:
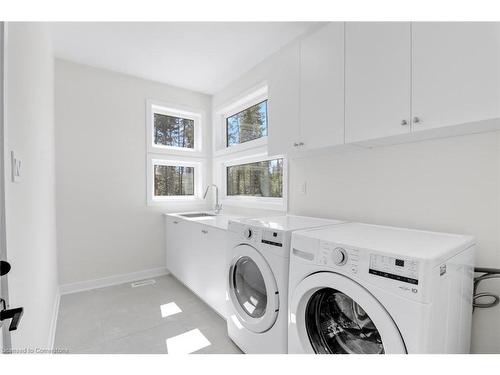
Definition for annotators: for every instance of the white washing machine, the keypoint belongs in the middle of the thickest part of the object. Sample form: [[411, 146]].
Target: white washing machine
[[257, 289], [359, 288]]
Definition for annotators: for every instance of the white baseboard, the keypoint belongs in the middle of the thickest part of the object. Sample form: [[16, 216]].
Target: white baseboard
[[111, 280], [53, 323]]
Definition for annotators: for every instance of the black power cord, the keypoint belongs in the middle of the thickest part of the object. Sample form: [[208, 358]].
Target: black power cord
[[491, 299]]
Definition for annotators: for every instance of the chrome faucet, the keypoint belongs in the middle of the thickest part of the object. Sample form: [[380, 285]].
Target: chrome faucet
[[218, 206]]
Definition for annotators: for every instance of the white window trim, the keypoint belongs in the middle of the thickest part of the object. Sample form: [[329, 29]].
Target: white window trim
[[199, 178], [248, 201], [251, 97], [156, 106]]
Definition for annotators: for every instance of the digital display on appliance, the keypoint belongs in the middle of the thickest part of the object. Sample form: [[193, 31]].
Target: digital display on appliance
[[272, 238], [405, 270]]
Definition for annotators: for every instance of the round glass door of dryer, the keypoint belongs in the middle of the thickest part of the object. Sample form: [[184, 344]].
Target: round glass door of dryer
[[250, 287]]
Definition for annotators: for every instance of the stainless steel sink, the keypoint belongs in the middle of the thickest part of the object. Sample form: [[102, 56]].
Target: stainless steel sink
[[197, 214]]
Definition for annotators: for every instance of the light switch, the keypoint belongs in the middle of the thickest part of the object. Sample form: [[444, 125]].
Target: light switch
[[303, 188], [17, 167]]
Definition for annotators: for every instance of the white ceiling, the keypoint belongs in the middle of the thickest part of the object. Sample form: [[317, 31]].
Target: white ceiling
[[201, 56]]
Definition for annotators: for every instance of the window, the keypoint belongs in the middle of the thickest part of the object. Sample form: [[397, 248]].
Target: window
[[244, 170], [175, 170], [173, 180], [242, 124], [173, 131], [253, 180], [247, 125], [259, 179]]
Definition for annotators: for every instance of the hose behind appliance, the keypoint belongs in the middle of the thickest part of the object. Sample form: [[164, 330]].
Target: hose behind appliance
[[492, 299]]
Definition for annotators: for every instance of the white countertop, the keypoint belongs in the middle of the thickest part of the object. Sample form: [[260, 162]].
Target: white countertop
[[289, 222], [220, 221]]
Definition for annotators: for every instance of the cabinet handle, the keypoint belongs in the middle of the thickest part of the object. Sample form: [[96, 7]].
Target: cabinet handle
[[301, 143], [295, 144], [416, 120], [175, 222], [204, 231], [404, 123]]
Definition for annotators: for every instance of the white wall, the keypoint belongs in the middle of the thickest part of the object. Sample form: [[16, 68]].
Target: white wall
[[30, 205], [449, 185], [104, 225]]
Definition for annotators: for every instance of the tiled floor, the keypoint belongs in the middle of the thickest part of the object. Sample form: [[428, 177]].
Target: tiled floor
[[122, 319]]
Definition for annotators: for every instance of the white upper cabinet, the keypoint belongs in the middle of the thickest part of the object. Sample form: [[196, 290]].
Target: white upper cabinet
[[322, 87], [377, 80], [376, 83], [283, 101], [456, 73]]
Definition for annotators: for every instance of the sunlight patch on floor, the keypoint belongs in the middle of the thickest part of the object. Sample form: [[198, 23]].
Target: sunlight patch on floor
[[169, 309], [187, 342]]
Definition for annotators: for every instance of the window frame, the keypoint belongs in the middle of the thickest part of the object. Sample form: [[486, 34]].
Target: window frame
[[251, 201], [256, 95], [243, 153], [156, 106], [171, 160], [164, 155], [227, 116]]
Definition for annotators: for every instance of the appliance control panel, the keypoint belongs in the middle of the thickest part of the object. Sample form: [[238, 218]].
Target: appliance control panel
[[258, 236], [397, 274], [272, 237], [331, 254], [401, 269]]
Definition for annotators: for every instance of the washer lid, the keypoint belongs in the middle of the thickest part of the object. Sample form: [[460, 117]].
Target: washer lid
[[333, 314], [252, 289]]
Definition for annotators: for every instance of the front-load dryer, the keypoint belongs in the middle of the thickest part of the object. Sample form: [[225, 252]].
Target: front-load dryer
[[258, 255], [368, 289]]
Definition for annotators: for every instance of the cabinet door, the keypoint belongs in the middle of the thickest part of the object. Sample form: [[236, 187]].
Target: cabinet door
[[456, 73], [283, 101], [322, 87], [215, 270], [196, 256], [205, 265], [377, 80], [196, 260], [175, 231]]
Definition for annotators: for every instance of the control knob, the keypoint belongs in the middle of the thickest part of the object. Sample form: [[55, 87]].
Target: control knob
[[247, 233], [339, 256]]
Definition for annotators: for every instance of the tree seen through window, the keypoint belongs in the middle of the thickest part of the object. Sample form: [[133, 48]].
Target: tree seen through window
[[259, 179], [173, 131], [247, 125], [173, 180]]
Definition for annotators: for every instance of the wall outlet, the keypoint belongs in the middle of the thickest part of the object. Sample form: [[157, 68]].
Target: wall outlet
[[17, 167]]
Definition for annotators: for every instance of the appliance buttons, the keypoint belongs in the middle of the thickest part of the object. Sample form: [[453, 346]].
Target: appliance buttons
[[339, 256]]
